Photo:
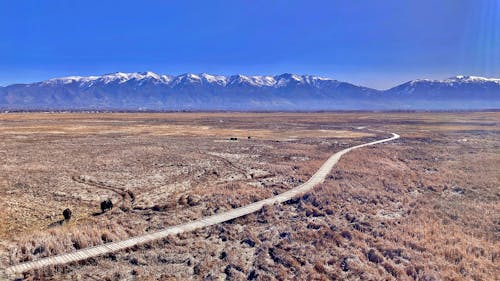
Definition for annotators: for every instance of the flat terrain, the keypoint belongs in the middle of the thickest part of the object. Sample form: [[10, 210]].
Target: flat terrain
[[424, 207]]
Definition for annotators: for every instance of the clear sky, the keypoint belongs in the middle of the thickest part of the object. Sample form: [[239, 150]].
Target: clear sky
[[373, 43]]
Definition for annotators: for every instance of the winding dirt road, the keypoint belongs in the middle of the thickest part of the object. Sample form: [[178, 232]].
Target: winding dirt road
[[87, 253]]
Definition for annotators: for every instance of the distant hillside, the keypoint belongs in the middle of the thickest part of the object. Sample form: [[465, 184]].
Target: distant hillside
[[150, 91]]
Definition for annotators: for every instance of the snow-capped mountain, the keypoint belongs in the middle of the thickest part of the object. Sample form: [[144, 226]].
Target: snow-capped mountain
[[151, 91], [459, 82], [278, 81], [461, 92]]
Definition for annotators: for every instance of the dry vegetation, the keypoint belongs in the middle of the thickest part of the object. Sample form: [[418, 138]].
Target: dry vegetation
[[425, 207]]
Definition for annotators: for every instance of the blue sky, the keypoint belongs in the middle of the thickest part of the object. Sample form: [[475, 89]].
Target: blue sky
[[373, 43]]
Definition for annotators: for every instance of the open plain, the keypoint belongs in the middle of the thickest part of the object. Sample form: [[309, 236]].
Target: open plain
[[423, 207]]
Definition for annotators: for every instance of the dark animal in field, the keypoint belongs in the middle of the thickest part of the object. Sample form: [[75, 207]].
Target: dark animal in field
[[67, 214], [106, 205], [233, 139]]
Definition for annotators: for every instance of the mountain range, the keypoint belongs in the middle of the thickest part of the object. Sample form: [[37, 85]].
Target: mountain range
[[285, 92]]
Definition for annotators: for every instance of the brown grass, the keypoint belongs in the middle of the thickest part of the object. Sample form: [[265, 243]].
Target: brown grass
[[422, 208]]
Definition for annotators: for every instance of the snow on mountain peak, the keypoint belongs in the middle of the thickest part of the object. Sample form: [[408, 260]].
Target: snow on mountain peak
[[187, 78], [469, 79], [119, 77], [459, 79], [267, 81], [277, 81], [203, 78], [242, 79], [217, 79], [64, 80]]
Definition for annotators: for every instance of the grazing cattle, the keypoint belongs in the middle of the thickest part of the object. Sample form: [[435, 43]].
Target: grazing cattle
[[67, 214], [106, 205]]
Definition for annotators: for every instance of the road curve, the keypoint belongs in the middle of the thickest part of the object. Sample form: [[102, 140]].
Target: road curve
[[103, 249]]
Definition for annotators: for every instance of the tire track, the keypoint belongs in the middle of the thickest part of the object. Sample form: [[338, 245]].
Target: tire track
[[124, 193]]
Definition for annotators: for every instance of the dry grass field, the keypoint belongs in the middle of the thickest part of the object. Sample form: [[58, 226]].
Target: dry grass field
[[424, 207]]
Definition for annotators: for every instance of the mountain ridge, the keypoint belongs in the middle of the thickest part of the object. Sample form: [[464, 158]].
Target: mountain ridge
[[203, 91], [256, 80], [166, 79]]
